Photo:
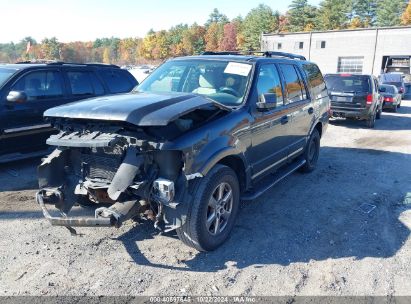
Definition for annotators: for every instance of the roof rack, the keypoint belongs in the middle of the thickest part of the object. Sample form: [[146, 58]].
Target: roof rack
[[55, 62], [265, 54]]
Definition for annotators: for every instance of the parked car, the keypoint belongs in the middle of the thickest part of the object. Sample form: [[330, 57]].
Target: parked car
[[396, 79], [354, 96], [28, 89], [197, 136], [391, 97]]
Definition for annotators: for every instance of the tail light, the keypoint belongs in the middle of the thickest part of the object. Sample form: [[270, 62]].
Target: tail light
[[369, 99], [389, 99]]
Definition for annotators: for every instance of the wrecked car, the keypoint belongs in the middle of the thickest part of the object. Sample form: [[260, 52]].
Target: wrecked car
[[196, 137]]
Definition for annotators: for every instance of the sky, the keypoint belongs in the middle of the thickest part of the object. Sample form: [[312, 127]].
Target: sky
[[76, 20]]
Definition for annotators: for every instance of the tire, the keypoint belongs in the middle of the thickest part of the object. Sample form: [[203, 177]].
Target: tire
[[378, 115], [399, 105], [370, 122], [208, 202], [395, 109], [312, 152]]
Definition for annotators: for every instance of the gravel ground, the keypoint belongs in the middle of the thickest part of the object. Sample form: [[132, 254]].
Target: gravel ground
[[307, 236]]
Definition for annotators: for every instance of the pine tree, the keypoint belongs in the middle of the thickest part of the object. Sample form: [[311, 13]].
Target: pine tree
[[333, 14], [389, 12], [365, 11], [301, 16]]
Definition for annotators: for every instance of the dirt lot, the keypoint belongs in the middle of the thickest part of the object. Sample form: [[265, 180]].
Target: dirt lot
[[307, 236]]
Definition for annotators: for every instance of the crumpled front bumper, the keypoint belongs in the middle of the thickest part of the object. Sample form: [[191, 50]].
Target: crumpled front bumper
[[73, 222]]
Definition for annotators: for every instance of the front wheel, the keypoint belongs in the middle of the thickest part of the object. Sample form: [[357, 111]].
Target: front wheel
[[213, 210], [312, 152]]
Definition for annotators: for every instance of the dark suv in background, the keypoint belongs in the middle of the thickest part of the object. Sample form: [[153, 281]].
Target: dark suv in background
[[193, 139], [29, 89], [355, 96]]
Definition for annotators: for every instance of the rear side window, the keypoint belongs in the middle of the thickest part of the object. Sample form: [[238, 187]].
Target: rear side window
[[40, 85], [98, 86], [117, 81], [315, 78], [348, 83], [294, 85], [80, 83]]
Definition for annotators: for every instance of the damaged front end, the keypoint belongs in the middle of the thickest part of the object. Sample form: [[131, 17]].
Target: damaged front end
[[126, 176]]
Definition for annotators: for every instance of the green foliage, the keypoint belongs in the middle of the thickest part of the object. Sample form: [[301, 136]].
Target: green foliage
[[333, 14], [50, 48], [301, 15], [259, 20], [389, 12], [365, 11], [216, 17]]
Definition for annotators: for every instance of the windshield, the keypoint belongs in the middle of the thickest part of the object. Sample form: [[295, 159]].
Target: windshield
[[348, 84], [5, 74], [222, 81]]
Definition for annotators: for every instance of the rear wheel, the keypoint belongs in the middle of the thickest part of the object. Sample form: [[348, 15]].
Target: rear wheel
[[312, 152], [370, 122], [378, 116], [394, 109], [213, 210]]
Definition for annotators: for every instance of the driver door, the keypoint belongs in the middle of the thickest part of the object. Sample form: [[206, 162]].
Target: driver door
[[24, 129]]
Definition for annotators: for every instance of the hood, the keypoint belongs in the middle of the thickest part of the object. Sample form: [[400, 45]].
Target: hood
[[140, 109]]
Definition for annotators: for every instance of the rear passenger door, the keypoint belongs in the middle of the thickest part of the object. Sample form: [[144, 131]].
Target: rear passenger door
[[298, 104]]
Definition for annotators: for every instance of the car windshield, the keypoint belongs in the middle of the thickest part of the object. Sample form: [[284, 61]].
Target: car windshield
[[222, 81], [389, 89], [5, 74], [348, 83]]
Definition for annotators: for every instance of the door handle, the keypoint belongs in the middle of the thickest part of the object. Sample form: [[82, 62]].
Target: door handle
[[284, 120], [311, 110]]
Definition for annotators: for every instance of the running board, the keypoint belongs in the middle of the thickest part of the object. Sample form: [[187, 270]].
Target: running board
[[268, 181]]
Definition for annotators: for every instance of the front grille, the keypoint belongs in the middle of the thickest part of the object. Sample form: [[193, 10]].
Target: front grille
[[101, 166]]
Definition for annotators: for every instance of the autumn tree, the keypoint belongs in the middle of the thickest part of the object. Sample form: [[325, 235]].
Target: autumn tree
[[259, 20], [50, 48], [229, 41], [194, 40], [213, 37], [389, 12], [406, 16], [364, 11]]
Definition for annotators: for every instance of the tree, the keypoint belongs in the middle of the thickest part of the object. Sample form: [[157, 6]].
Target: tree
[[365, 11], [301, 16], [260, 19], [406, 16], [213, 37], [106, 55], [333, 14], [216, 17], [389, 12], [194, 40], [229, 41], [50, 48]]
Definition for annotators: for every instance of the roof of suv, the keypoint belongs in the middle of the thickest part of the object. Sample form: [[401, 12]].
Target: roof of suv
[[27, 64], [249, 56]]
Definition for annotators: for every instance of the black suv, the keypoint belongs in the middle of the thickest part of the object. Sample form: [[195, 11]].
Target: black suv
[[193, 139], [28, 89], [355, 96]]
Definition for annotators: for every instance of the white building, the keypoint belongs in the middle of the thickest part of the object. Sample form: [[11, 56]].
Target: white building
[[366, 51]]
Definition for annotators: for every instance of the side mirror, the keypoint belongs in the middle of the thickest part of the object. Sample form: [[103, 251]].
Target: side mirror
[[17, 97], [382, 90], [267, 101]]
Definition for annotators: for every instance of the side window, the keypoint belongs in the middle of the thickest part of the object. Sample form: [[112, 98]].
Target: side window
[[40, 85], [80, 83], [98, 86], [117, 81], [294, 87], [269, 82], [315, 78]]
